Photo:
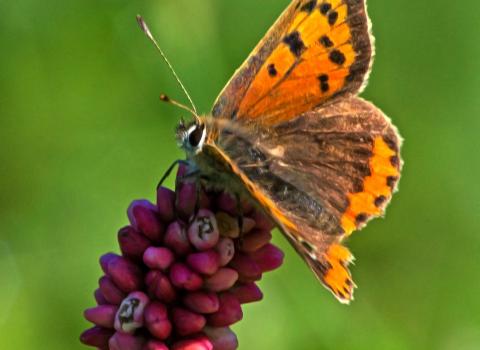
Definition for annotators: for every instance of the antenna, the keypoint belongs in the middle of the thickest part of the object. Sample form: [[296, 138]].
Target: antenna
[[165, 98]]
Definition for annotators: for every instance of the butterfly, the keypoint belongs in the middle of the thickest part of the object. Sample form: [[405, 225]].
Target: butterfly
[[289, 131]]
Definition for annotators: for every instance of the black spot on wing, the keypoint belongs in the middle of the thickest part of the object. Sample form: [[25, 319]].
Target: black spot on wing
[[380, 200], [325, 41], [324, 86], [309, 6], [332, 17], [295, 43], [337, 57], [272, 71], [325, 7]]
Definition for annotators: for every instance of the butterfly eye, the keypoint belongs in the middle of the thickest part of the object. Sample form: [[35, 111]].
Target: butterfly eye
[[196, 136]]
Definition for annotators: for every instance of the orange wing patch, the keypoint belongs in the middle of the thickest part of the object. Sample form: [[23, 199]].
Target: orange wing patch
[[337, 277], [377, 188], [312, 63]]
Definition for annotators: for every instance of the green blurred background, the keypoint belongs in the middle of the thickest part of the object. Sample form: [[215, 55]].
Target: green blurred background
[[82, 133]]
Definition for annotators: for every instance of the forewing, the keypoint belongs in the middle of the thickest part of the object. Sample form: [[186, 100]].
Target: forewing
[[315, 51]]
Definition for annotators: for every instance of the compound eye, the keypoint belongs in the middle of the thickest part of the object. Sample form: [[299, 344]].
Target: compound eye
[[196, 135]]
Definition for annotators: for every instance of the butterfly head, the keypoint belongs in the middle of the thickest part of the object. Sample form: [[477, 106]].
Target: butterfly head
[[191, 136]]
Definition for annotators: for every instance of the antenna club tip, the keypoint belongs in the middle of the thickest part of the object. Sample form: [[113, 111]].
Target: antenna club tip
[[164, 98], [143, 26]]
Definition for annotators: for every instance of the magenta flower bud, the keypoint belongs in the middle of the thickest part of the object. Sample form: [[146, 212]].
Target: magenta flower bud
[[182, 277], [105, 259], [247, 293], [122, 341], [97, 337], [126, 275], [155, 345], [99, 298], [103, 315], [199, 343], [206, 262], [268, 258], [222, 338], [186, 199], [159, 286], [225, 249], [129, 316], [132, 243], [166, 204], [176, 238], [203, 231], [227, 203], [254, 240], [221, 280], [262, 221], [229, 312], [202, 302], [158, 258], [143, 216], [246, 266], [110, 291], [187, 322], [157, 320]]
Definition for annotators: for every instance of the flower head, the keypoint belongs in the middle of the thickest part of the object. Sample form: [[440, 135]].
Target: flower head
[[183, 274]]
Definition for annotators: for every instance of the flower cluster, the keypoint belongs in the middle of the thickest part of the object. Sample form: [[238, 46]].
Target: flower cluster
[[183, 273]]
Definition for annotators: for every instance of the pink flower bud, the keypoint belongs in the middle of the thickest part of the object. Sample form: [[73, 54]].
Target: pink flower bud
[[225, 249], [254, 240], [176, 238], [103, 315], [268, 258], [105, 259], [110, 291], [157, 321], [155, 345], [263, 221], [229, 312], [202, 302], [125, 274], [245, 266], [122, 341], [97, 337], [166, 204], [199, 343], [222, 338], [143, 217], [158, 258], [247, 293], [186, 199], [132, 243], [227, 203], [187, 322], [99, 298], [182, 277], [203, 231], [206, 262], [160, 286], [129, 316], [222, 280]]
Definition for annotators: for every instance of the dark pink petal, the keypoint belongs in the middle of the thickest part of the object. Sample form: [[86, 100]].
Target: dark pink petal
[[254, 240], [227, 203], [122, 341], [199, 343], [187, 322], [166, 204], [143, 216], [183, 277], [129, 316], [105, 259], [157, 321], [206, 262], [155, 345], [99, 298], [221, 280], [186, 199], [268, 258], [246, 266], [263, 221], [176, 238], [229, 312], [132, 243], [103, 315], [110, 291], [160, 286], [126, 275], [226, 250], [158, 258], [222, 338], [202, 302], [247, 293], [203, 231], [96, 336]]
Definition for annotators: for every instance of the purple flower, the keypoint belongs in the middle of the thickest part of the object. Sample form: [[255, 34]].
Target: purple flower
[[182, 275]]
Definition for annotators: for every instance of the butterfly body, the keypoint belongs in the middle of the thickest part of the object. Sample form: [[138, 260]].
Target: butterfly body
[[289, 132]]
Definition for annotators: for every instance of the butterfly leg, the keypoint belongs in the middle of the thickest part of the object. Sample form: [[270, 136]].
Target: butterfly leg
[[239, 214], [169, 171]]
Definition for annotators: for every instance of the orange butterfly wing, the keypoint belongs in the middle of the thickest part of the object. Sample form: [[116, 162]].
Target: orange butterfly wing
[[315, 51]]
